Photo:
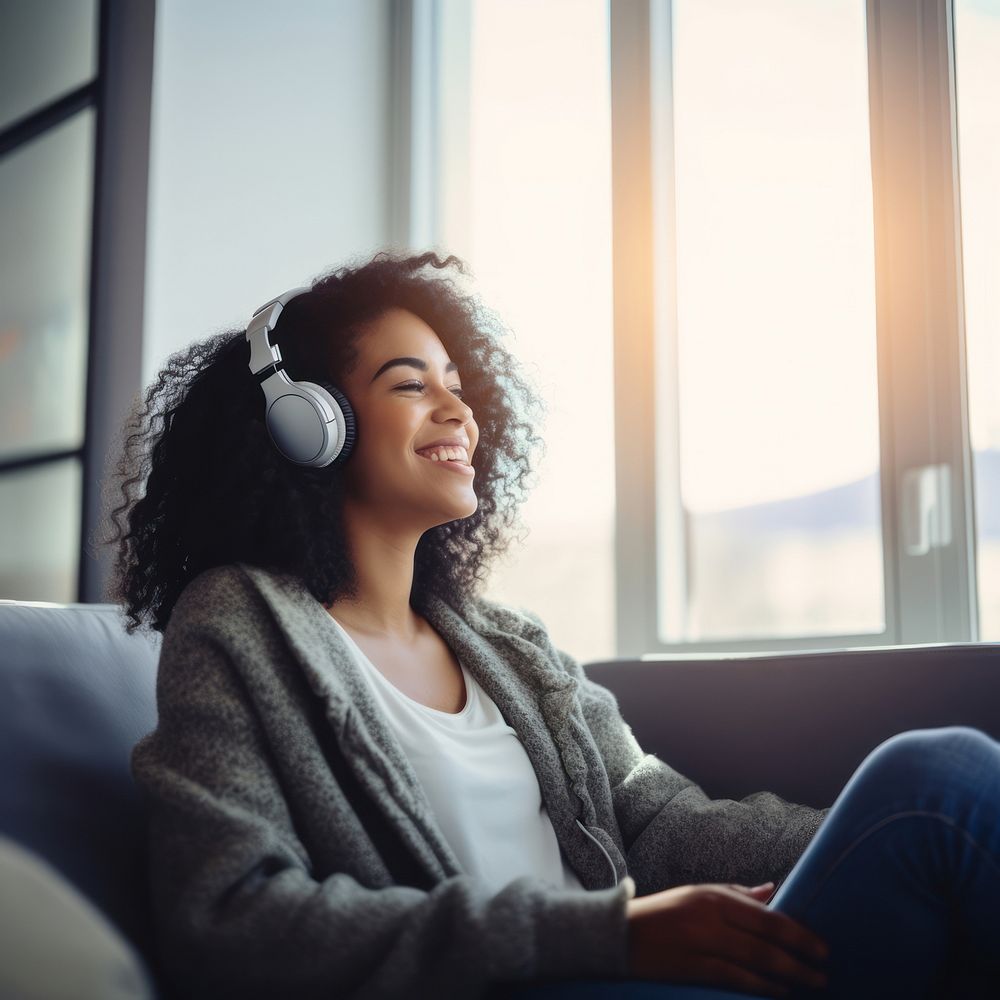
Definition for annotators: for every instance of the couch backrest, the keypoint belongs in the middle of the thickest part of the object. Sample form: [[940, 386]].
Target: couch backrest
[[798, 724], [76, 693]]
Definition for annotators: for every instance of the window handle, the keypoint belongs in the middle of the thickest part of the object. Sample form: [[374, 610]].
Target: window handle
[[926, 509]]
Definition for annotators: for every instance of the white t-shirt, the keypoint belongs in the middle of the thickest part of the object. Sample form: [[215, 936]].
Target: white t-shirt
[[478, 780]]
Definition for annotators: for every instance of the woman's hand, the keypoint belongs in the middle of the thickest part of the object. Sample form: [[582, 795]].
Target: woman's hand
[[722, 936]]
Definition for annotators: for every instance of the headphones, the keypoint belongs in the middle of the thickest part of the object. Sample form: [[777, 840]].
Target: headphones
[[310, 424]]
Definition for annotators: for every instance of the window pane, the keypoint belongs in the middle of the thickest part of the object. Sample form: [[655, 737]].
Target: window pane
[[977, 67], [47, 48], [40, 532], [45, 207], [538, 237], [772, 441]]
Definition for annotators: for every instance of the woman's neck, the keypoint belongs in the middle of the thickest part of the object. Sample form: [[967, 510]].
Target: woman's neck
[[383, 573]]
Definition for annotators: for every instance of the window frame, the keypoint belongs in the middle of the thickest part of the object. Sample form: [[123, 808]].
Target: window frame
[[118, 263], [428, 121]]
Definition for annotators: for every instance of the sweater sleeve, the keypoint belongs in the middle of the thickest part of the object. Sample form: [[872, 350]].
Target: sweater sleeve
[[673, 833], [239, 911]]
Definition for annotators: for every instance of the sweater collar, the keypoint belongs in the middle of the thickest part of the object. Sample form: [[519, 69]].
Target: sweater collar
[[521, 676], [503, 662]]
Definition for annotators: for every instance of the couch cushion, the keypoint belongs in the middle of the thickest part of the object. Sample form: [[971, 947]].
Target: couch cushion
[[54, 944], [76, 693]]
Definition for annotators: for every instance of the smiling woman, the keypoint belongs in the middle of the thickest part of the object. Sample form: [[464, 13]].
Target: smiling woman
[[367, 780], [201, 485]]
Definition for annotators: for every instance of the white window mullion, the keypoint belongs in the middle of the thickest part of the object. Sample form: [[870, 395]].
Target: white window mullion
[[414, 124], [404, 81], [672, 585], [634, 402], [926, 450], [431, 88]]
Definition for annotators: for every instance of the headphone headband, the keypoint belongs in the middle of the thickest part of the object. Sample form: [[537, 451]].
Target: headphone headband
[[263, 353]]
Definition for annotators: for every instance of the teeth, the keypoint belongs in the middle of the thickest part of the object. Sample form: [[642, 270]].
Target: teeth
[[446, 454]]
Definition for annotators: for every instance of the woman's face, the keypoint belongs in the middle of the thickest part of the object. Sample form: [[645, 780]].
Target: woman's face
[[404, 391]]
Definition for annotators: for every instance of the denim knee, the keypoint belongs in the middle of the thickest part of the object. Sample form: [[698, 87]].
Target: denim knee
[[918, 755]]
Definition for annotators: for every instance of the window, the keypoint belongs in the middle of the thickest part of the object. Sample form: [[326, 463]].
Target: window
[[47, 50], [46, 188], [791, 451], [767, 437], [48, 98], [790, 367], [765, 331]]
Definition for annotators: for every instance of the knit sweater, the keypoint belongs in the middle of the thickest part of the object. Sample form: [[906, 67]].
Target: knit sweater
[[293, 852]]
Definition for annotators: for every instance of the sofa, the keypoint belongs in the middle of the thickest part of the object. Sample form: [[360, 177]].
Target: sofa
[[77, 692]]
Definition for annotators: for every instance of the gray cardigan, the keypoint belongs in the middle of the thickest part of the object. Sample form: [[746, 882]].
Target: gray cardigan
[[293, 852]]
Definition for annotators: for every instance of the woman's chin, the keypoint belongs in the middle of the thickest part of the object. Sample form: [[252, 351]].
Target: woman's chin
[[467, 510], [458, 511]]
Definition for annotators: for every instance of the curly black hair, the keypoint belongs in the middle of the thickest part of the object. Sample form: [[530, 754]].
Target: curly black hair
[[200, 484]]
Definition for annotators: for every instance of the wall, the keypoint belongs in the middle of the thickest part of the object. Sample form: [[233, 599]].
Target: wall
[[269, 156]]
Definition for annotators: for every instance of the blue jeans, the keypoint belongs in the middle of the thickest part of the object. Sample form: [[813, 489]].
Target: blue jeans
[[902, 881]]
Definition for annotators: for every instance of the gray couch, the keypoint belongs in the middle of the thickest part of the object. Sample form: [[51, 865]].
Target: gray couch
[[799, 724], [76, 692]]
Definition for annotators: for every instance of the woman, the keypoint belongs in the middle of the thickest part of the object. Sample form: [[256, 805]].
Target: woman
[[368, 781]]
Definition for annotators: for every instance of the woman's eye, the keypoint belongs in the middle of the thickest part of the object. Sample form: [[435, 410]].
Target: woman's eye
[[419, 387]]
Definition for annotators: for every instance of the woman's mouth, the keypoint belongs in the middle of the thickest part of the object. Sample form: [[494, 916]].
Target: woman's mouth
[[453, 458]]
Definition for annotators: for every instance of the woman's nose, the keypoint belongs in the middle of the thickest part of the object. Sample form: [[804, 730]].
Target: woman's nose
[[455, 406]]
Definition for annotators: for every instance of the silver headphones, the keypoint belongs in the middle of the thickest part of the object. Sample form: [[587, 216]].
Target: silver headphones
[[310, 424]]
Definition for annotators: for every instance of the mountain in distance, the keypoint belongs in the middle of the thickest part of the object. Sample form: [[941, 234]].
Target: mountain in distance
[[855, 506], [986, 474]]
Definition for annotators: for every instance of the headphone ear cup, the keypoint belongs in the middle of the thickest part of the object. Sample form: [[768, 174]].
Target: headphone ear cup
[[350, 422]]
